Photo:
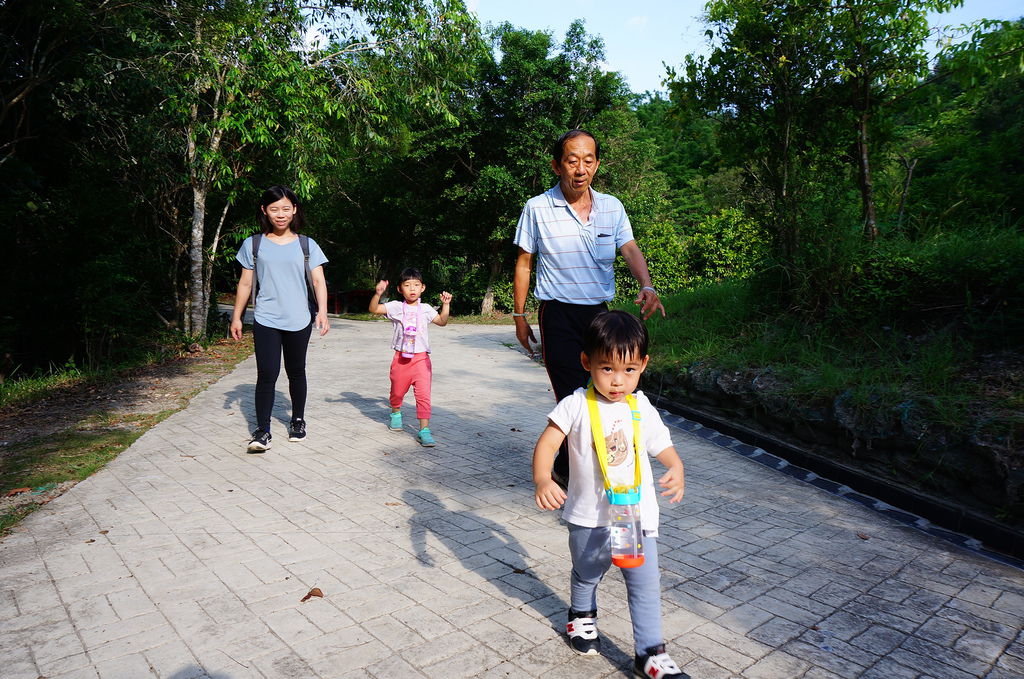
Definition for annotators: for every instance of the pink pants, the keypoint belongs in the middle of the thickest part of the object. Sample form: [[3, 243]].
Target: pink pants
[[415, 371]]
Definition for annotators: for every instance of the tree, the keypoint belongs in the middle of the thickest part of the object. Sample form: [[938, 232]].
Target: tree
[[232, 80], [879, 50], [453, 196], [769, 84], [810, 78]]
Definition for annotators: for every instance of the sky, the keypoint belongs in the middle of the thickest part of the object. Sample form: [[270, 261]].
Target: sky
[[641, 34]]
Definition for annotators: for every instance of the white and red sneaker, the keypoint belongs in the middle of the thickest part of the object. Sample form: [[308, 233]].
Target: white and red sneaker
[[655, 663], [582, 631]]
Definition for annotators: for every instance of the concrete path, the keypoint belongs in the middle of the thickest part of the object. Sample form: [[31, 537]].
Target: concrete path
[[187, 558]]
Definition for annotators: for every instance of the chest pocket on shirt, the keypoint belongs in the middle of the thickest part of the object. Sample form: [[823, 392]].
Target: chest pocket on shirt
[[604, 242]]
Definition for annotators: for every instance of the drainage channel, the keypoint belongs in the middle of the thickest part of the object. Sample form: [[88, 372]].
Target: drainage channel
[[972, 532]]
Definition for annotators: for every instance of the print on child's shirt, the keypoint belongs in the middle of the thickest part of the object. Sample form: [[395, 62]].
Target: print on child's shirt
[[616, 445]]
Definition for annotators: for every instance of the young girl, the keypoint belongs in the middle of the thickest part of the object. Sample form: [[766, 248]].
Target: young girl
[[615, 355], [282, 319], [411, 363]]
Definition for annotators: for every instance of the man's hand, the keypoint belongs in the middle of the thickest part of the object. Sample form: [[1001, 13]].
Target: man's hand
[[649, 303], [524, 333], [236, 329], [549, 495]]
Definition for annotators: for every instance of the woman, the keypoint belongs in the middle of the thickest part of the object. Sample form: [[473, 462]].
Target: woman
[[283, 317]]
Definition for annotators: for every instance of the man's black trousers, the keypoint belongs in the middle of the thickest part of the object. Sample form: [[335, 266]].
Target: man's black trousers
[[561, 338]]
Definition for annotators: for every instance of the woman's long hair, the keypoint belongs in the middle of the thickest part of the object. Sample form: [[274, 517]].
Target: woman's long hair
[[272, 195]]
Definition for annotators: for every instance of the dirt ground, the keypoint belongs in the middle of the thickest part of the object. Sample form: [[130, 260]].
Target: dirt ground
[[122, 403]]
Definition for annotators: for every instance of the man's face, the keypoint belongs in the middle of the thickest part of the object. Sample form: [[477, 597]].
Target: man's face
[[578, 165]]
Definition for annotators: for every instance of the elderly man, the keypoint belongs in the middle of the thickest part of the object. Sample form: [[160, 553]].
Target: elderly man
[[574, 232]]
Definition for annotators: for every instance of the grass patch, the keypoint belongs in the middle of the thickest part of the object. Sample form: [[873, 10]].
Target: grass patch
[[68, 456], [10, 518], [30, 389], [877, 367], [47, 461], [84, 444]]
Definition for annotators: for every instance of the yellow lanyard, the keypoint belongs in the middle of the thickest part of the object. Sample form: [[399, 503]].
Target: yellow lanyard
[[598, 433]]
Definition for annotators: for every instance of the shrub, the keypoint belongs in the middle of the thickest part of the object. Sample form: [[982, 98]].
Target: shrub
[[727, 244]]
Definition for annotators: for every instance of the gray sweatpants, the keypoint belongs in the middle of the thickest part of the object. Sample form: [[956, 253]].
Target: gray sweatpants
[[590, 549]]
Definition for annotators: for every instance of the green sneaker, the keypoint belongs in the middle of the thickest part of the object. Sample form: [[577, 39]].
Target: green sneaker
[[395, 424], [425, 438]]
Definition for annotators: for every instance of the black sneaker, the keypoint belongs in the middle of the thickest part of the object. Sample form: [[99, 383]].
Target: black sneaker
[[297, 430], [656, 664], [260, 441], [582, 631]]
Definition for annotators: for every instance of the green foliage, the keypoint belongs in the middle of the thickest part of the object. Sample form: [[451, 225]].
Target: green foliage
[[725, 245], [878, 366], [414, 140], [965, 132], [19, 389], [452, 196], [666, 261], [968, 281]]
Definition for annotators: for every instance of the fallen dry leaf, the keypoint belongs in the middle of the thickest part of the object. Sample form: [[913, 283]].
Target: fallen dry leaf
[[90, 540], [312, 593], [863, 536], [393, 504], [17, 491], [104, 532]]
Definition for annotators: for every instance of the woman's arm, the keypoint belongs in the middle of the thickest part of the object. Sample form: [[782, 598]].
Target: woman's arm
[[242, 293], [320, 290]]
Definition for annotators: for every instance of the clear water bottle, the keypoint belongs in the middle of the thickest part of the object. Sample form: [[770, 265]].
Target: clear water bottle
[[627, 538]]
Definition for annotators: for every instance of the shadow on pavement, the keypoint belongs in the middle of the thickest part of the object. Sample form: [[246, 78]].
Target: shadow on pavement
[[501, 561], [373, 408], [243, 395], [195, 672]]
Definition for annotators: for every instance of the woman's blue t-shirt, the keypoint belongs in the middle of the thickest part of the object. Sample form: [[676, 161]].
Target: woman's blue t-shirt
[[281, 300]]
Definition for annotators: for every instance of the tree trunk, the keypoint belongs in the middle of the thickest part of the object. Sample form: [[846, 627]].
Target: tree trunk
[[212, 255], [867, 192], [487, 305], [909, 164], [197, 303]]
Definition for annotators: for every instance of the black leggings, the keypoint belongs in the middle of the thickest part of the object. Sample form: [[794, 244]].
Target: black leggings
[[270, 343], [561, 337]]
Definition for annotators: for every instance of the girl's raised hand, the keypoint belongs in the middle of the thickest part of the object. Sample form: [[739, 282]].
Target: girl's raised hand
[[381, 287], [446, 297]]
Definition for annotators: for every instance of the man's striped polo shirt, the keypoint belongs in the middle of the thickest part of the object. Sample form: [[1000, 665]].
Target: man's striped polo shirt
[[574, 260]]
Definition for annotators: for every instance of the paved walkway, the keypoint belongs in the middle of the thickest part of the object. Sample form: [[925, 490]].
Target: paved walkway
[[186, 557]]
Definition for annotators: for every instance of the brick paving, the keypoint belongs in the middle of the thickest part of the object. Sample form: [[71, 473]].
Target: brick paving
[[186, 558]]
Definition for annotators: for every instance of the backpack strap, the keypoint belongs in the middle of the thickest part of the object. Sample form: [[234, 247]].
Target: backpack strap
[[256, 239], [304, 244]]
